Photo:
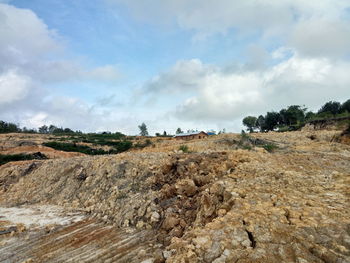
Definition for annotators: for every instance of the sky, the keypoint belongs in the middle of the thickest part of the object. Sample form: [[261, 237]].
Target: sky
[[102, 65]]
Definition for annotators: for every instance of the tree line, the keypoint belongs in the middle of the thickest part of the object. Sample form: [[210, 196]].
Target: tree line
[[294, 117], [7, 127]]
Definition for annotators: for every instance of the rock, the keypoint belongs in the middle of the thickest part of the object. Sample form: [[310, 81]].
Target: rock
[[186, 187], [170, 222], [155, 217], [222, 212], [140, 224]]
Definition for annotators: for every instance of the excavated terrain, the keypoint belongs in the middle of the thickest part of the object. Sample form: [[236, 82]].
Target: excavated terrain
[[23, 143], [222, 202]]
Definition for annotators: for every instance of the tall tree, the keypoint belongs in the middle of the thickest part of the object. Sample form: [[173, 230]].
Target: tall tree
[[309, 115], [345, 106], [178, 131], [52, 128], [260, 123], [143, 129], [292, 115], [8, 127], [332, 107], [43, 129], [250, 122], [272, 119]]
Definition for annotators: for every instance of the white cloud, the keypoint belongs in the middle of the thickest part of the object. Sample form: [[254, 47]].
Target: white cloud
[[315, 27], [13, 87], [313, 39], [30, 47], [29, 65], [36, 120], [182, 77], [322, 37], [23, 35], [222, 95]]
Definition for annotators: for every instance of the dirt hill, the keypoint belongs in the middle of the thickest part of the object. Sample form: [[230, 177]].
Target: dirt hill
[[271, 197]]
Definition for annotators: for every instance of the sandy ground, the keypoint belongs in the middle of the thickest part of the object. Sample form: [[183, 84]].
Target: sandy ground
[[38, 216]]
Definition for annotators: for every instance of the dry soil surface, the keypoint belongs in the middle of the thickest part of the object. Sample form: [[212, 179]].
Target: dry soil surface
[[219, 203]]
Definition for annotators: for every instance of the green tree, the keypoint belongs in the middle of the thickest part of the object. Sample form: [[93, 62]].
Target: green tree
[[43, 129], [143, 129], [52, 128], [332, 107], [178, 131], [345, 106], [260, 123], [309, 115], [294, 114], [250, 122], [272, 119], [8, 127]]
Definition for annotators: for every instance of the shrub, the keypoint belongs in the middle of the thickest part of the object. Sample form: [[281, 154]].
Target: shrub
[[21, 157], [244, 135], [73, 147], [270, 147], [143, 145], [247, 147], [184, 148], [118, 147], [283, 129]]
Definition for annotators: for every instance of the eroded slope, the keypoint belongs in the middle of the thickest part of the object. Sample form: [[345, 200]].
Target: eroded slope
[[221, 206]]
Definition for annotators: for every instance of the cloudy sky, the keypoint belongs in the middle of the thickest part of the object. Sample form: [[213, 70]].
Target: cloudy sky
[[196, 64]]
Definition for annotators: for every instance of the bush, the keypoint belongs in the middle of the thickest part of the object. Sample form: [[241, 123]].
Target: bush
[[244, 135], [270, 147], [7, 127], [283, 129], [184, 148], [143, 145], [73, 147], [21, 157]]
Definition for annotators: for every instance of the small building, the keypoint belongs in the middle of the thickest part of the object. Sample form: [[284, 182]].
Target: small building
[[211, 132], [191, 135]]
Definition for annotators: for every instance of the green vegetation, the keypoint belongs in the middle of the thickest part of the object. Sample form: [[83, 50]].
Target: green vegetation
[[248, 143], [7, 127], [250, 122], [143, 129], [184, 148], [245, 141], [295, 117], [143, 145], [73, 147], [332, 107], [178, 131], [270, 147], [20, 157]]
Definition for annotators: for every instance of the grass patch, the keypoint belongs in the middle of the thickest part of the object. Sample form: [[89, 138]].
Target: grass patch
[[270, 147], [73, 147], [143, 145], [5, 158], [328, 116], [184, 149]]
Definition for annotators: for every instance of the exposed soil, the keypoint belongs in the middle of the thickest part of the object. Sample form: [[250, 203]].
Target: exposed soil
[[217, 204]]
